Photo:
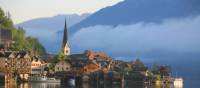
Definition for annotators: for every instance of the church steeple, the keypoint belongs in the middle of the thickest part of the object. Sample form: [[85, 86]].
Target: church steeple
[[65, 43]]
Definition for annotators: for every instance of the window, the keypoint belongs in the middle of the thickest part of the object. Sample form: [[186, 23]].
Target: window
[[36, 69]]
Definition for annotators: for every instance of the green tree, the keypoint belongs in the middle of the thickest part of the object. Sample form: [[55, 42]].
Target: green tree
[[61, 56], [58, 57], [21, 42], [5, 21], [155, 69], [138, 65], [34, 46]]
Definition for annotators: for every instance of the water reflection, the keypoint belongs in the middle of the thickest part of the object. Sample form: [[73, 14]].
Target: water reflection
[[31, 85], [42, 85], [83, 85]]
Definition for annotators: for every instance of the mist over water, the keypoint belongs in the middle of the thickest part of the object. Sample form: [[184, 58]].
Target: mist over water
[[172, 36]]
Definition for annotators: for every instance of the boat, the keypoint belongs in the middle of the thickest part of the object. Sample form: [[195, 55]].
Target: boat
[[71, 82], [178, 82], [43, 79]]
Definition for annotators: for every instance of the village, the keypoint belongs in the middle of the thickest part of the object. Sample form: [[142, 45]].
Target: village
[[88, 67]]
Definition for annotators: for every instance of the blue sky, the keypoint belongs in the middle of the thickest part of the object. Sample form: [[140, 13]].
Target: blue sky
[[22, 10]]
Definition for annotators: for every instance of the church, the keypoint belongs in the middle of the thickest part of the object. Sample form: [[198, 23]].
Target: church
[[65, 43], [63, 65]]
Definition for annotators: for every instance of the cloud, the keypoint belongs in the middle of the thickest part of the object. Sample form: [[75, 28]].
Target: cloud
[[170, 36]]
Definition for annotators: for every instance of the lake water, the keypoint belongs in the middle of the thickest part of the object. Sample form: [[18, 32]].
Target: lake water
[[84, 85]]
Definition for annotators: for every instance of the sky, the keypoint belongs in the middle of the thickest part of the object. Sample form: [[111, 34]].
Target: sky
[[22, 10]]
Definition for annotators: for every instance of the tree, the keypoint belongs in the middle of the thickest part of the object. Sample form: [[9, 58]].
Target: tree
[[58, 57], [138, 65], [18, 34], [165, 71], [61, 56], [155, 69], [5, 21], [32, 44]]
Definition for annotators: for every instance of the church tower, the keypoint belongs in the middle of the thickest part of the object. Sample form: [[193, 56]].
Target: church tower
[[65, 43]]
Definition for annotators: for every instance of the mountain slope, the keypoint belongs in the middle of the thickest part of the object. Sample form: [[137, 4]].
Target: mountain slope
[[53, 23], [45, 29], [133, 11]]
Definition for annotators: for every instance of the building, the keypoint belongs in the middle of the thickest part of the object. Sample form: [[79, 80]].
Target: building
[[37, 67], [3, 59], [62, 66], [77, 61], [23, 64], [65, 43], [5, 38], [18, 62]]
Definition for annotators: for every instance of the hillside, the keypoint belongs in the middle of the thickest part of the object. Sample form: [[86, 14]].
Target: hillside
[[52, 23], [21, 42], [134, 11]]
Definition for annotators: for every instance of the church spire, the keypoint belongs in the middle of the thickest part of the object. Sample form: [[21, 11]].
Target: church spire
[[65, 44], [65, 40]]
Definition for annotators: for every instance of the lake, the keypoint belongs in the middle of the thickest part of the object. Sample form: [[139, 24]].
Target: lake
[[84, 85]]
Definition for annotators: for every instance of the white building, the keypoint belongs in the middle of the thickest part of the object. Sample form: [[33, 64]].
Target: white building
[[37, 67], [62, 66]]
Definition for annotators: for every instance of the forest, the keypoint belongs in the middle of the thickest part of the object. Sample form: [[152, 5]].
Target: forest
[[21, 41]]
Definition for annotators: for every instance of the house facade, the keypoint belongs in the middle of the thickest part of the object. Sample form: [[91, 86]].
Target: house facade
[[37, 66], [62, 66]]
